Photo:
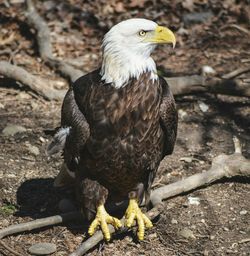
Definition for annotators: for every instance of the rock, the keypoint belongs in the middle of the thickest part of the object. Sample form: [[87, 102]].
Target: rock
[[119, 7], [206, 252], [203, 221], [42, 139], [23, 96], [207, 70], [203, 106], [182, 31], [187, 233], [243, 212], [34, 105], [152, 236], [212, 237], [12, 129], [174, 221], [182, 114], [33, 149], [196, 17], [193, 200], [42, 249]]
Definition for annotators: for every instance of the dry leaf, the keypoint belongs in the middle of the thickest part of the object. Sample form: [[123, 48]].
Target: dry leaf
[[119, 7], [188, 4]]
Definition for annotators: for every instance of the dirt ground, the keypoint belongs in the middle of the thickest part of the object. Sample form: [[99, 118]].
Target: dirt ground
[[220, 223]]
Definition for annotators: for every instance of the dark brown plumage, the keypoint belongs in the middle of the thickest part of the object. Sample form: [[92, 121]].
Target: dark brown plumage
[[118, 136]]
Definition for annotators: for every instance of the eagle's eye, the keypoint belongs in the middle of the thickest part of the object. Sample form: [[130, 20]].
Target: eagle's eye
[[142, 33]]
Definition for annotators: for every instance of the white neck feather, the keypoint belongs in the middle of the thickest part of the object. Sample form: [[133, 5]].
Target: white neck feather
[[119, 65]]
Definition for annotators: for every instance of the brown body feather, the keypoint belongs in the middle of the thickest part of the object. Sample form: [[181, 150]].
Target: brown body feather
[[118, 136]]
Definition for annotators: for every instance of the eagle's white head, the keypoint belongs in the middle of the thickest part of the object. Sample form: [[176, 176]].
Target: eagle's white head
[[127, 48]]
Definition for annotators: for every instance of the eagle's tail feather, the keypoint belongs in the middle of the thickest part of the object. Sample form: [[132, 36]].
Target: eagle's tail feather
[[58, 142]]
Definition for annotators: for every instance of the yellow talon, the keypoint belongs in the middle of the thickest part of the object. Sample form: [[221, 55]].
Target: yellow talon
[[102, 219], [134, 212]]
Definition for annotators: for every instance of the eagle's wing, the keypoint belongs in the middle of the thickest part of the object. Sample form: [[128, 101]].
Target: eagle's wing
[[168, 122], [70, 138], [168, 117], [74, 130], [73, 118]]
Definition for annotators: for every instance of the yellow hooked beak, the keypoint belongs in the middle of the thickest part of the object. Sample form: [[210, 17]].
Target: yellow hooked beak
[[162, 35]]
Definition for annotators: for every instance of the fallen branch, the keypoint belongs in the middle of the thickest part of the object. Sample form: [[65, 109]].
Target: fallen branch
[[39, 223], [179, 85], [186, 84], [44, 44], [40, 85], [222, 166], [236, 72], [199, 84]]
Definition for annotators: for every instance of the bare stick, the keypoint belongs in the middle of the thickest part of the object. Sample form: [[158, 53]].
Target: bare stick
[[186, 84], [41, 86], [27, 226], [48, 221], [240, 28], [199, 84], [236, 72], [222, 166], [44, 44]]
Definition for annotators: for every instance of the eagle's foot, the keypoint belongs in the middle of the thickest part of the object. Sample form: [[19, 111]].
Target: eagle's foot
[[102, 219], [134, 212]]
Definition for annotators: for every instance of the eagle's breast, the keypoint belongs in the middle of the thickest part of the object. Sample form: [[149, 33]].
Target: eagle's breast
[[126, 139]]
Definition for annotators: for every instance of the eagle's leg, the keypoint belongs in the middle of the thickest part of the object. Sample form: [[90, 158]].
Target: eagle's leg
[[102, 219], [92, 197], [134, 212]]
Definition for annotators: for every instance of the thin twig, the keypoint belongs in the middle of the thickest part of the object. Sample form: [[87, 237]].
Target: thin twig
[[245, 60], [236, 72], [41, 86], [10, 249], [240, 28], [27, 226]]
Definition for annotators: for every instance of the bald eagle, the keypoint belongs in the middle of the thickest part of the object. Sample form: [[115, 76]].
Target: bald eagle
[[117, 124]]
